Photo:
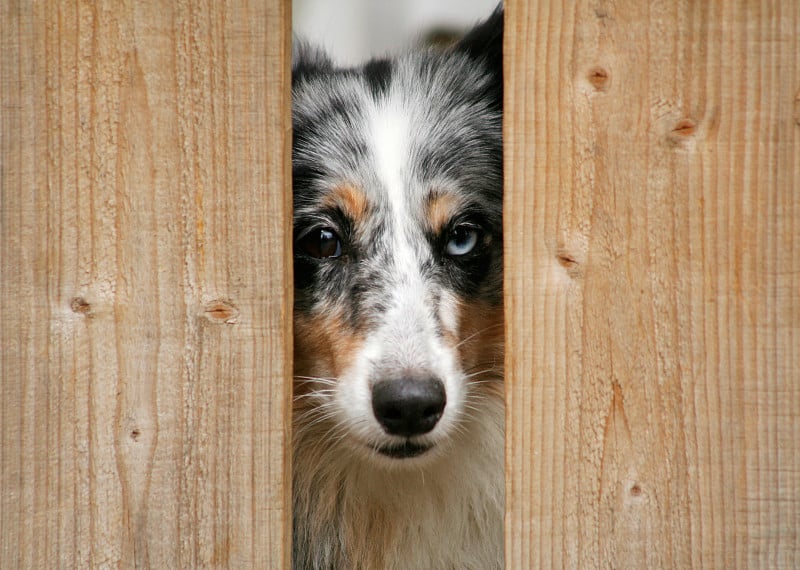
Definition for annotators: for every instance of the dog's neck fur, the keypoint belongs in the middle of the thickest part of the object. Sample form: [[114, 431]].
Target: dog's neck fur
[[445, 515]]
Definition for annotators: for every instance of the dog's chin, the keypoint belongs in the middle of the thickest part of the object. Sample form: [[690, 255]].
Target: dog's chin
[[405, 450], [408, 454]]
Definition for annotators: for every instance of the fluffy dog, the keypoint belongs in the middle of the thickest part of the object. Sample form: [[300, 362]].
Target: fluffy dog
[[398, 409]]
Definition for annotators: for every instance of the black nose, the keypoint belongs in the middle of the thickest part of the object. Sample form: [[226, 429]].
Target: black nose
[[408, 406]]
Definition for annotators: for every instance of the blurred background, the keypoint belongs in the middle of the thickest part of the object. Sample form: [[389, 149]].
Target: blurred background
[[352, 31]]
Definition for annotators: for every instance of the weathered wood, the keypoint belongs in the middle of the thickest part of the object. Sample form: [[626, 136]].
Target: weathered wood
[[145, 301], [653, 284]]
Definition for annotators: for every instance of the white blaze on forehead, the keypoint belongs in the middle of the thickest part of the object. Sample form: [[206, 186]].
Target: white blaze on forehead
[[390, 145], [408, 324], [389, 130]]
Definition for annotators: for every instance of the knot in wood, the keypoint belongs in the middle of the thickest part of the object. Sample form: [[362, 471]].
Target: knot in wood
[[221, 312], [81, 306], [599, 78]]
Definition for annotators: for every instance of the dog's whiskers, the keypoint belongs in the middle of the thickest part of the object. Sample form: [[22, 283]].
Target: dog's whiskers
[[476, 333]]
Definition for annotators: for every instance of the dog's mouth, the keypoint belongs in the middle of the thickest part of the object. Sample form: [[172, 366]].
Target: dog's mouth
[[405, 450]]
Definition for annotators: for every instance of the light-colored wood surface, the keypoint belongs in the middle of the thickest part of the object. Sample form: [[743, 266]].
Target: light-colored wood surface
[[144, 255], [653, 284]]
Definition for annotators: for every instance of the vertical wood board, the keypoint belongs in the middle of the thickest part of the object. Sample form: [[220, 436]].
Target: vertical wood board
[[653, 284], [144, 284]]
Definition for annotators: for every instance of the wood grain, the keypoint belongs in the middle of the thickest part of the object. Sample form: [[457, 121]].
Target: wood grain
[[653, 284], [146, 290]]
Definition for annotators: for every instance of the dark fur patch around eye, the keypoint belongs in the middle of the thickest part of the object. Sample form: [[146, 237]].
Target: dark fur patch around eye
[[319, 276], [475, 274], [467, 273]]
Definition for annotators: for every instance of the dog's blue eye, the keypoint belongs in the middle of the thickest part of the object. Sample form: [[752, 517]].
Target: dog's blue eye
[[321, 243], [463, 239]]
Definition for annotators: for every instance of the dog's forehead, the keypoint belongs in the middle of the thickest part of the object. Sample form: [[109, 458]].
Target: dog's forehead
[[396, 129]]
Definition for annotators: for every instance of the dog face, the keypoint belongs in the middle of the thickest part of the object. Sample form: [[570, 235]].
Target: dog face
[[397, 174]]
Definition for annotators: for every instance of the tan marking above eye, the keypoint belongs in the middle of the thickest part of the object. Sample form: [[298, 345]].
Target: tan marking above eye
[[350, 199], [441, 208]]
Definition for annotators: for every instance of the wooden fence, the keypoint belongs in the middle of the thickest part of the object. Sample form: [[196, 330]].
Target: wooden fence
[[146, 292], [652, 262]]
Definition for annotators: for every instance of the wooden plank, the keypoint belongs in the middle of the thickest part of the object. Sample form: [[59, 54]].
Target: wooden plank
[[653, 284], [145, 284]]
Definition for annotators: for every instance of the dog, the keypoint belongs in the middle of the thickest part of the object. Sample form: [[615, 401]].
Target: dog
[[398, 419]]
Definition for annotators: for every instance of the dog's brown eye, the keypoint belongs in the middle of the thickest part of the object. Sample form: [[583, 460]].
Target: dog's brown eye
[[321, 243]]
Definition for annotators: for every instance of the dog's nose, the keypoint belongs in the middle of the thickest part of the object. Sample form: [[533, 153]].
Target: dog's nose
[[408, 406]]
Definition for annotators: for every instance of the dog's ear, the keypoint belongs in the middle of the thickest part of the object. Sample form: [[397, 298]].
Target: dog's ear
[[308, 60], [484, 44]]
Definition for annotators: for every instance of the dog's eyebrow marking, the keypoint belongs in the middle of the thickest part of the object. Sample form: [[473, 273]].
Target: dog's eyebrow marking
[[440, 208], [350, 199]]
